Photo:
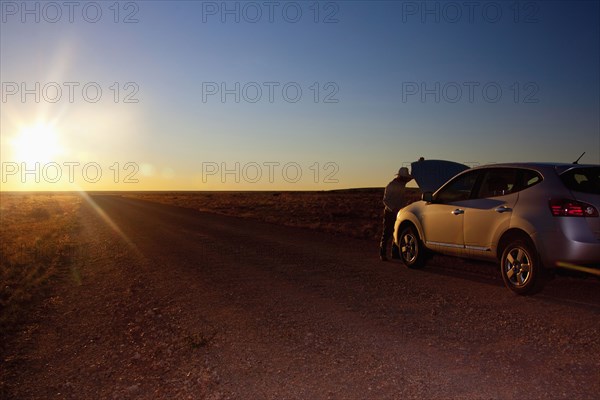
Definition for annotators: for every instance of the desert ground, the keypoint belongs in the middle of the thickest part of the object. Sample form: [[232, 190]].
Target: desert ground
[[268, 296], [354, 212]]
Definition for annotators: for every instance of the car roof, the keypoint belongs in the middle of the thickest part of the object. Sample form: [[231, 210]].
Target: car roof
[[559, 166], [432, 174]]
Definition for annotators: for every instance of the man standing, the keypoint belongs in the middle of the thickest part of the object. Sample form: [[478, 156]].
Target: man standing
[[394, 199]]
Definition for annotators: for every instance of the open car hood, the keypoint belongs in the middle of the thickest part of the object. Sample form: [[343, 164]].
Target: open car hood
[[432, 174]]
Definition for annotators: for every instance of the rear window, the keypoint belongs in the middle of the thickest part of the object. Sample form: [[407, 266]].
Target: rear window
[[584, 180]]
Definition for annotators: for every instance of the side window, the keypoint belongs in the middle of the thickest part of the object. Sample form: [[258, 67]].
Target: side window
[[459, 189], [498, 182], [530, 178]]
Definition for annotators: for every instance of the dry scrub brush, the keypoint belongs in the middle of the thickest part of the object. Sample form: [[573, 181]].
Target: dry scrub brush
[[35, 238]]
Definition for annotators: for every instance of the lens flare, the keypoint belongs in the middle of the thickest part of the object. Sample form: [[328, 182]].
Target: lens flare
[[38, 143]]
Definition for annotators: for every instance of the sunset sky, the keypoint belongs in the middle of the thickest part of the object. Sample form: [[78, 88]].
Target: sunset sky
[[192, 95]]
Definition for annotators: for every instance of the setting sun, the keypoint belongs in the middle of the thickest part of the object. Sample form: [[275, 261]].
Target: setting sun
[[38, 143]]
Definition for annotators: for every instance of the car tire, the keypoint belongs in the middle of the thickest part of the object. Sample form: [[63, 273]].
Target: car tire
[[520, 267], [412, 252]]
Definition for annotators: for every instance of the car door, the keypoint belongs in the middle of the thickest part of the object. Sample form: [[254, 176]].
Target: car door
[[442, 219], [489, 211]]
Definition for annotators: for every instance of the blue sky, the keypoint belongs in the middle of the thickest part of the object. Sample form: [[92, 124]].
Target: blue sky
[[382, 83]]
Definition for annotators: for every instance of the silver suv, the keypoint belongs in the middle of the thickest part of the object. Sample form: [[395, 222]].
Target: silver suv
[[528, 216]]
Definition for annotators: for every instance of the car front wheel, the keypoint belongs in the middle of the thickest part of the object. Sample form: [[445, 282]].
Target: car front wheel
[[411, 250], [520, 267]]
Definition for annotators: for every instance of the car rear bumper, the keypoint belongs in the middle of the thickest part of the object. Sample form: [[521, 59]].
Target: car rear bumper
[[556, 251]]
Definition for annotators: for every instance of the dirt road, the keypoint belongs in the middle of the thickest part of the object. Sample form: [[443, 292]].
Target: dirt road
[[166, 302]]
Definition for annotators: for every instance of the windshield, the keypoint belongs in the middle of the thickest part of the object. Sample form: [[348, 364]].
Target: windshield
[[584, 180]]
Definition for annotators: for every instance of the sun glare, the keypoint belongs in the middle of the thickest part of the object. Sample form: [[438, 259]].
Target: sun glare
[[38, 143]]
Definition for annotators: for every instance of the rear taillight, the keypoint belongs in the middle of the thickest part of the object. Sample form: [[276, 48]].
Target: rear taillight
[[572, 208]]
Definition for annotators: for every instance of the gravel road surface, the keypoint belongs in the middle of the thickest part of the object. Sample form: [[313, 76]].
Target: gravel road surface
[[162, 302]]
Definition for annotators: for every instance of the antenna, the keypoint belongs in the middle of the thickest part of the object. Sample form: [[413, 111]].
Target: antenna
[[577, 161]]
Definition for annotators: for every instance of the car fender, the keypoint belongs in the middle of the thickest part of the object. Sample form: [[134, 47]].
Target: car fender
[[520, 224], [409, 214]]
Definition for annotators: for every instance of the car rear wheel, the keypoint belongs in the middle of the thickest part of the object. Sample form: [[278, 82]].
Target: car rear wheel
[[520, 267], [412, 252]]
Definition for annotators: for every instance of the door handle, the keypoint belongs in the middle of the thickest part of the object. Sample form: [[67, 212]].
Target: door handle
[[502, 209], [458, 211]]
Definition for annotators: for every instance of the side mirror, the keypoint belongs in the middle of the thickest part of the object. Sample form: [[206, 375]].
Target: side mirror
[[427, 196]]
